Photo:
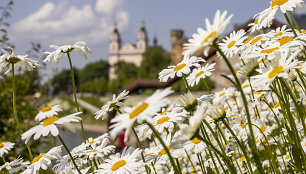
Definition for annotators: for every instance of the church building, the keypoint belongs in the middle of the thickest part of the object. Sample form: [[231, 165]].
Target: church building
[[131, 53]]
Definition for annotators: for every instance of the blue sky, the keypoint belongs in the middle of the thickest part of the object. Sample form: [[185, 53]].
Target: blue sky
[[67, 21]]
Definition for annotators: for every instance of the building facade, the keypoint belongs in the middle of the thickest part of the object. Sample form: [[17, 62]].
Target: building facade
[[129, 52]]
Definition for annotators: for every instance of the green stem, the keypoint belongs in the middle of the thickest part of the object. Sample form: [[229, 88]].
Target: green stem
[[253, 142], [195, 170], [3, 158], [176, 171], [206, 85], [295, 23], [139, 146], [75, 97], [71, 157], [116, 108], [225, 158], [242, 147], [288, 21], [15, 111], [185, 81]]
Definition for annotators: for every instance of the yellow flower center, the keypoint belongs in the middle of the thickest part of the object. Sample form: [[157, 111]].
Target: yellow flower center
[[163, 151], [261, 96], [164, 112], [278, 34], [275, 71], [256, 40], [231, 44], [196, 141], [149, 154], [303, 31], [262, 129], [210, 36], [284, 40], [248, 40], [50, 120], [91, 142], [199, 73], [245, 86], [276, 105], [287, 157], [138, 110], [162, 120], [220, 95], [242, 159], [233, 116], [179, 67], [278, 2], [118, 164], [37, 158], [242, 124], [256, 21], [268, 51], [90, 151], [45, 109], [1, 145]]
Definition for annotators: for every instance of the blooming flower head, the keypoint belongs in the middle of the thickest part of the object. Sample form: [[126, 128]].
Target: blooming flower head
[[47, 112], [142, 112], [126, 162], [230, 45], [5, 147], [285, 5], [15, 166], [21, 61], [110, 104], [200, 73], [278, 67], [43, 160], [181, 68], [60, 51], [204, 38], [50, 125]]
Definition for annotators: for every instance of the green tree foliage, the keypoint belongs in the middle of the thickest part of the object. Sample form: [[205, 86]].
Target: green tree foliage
[[61, 82], [154, 60], [94, 71]]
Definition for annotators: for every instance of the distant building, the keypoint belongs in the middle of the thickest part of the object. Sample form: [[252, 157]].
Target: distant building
[[131, 53]]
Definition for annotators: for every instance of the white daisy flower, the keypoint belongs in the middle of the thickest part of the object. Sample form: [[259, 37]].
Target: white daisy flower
[[5, 147], [126, 162], [15, 166], [142, 112], [200, 73], [109, 105], [278, 67], [231, 45], [204, 38], [166, 120], [254, 26], [65, 163], [195, 145], [181, 68], [60, 51], [50, 125], [265, 18], [47, 112], [286, 5], [43, 160], [19, 61]]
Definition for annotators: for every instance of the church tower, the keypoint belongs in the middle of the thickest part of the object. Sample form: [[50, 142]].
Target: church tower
[[114, 51], [142, 38], [115, 41]]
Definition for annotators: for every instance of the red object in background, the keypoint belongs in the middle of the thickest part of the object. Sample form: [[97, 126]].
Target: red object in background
[[121, 138]]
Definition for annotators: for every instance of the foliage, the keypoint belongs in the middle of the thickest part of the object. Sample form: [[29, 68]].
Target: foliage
[[61, 82], [94, 71], [154, 59]]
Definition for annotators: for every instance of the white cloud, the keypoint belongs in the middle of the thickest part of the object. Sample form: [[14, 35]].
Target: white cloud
[[63, 24], [107, 6]]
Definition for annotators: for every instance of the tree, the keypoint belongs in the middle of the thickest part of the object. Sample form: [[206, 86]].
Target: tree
[[62, 82], [154, 60], [94, 71]]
